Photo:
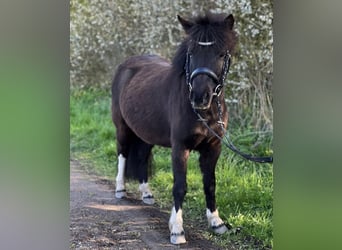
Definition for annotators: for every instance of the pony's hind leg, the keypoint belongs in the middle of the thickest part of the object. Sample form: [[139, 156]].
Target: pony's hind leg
[[133, 157], [146, 194], [120, 190], [133, 162], [123, 136], [123, 132], [139, 162]]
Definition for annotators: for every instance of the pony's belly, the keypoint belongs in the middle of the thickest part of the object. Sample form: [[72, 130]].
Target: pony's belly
[[153, 136], [150, 129]]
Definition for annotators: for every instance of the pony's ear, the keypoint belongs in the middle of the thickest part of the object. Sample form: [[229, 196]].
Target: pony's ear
[[229, 21], [185, 23]]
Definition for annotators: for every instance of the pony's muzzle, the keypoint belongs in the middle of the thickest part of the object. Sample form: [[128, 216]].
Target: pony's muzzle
[[200, 102], [201, 95]]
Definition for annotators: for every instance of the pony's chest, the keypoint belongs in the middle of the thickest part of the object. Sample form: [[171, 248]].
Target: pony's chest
[[199, 135]]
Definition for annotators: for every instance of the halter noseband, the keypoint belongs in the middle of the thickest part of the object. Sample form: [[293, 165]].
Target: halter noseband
[[206, 71]]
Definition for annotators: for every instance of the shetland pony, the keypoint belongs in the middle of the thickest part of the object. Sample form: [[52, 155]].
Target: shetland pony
[[156, 102]]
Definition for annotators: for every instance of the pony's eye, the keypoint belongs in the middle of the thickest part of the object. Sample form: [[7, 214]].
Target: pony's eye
[[222, 55]]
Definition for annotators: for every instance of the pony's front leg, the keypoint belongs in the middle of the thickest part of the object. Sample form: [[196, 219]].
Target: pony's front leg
[[179, 160], [208, 159]]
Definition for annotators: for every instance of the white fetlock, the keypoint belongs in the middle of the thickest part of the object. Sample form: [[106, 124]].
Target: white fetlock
[[177, 235], [177, 239], [120, 191], [215, 222], [120, 194], [146, 194]]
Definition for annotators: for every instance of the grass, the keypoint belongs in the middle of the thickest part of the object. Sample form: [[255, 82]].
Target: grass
[[244, 189]]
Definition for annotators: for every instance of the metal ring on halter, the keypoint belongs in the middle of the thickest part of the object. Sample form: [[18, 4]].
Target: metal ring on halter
[[218, 90]]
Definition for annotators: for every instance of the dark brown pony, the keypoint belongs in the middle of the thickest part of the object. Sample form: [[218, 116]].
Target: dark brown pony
[[155, 102]]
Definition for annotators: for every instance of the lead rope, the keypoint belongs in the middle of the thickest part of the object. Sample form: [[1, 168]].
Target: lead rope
[[226, 140]]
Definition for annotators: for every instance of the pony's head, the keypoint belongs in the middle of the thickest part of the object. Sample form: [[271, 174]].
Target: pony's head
[[207, 48]]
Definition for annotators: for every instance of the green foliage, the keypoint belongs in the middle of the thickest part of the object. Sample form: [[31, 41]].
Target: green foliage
[[91, 130], [244, 189]]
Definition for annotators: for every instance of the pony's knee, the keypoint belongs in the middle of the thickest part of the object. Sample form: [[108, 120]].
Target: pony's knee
[[146, 194], [215, 222], [177, 235]]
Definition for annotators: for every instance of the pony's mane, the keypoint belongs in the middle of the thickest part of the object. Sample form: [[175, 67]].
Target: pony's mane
[[208, 27]]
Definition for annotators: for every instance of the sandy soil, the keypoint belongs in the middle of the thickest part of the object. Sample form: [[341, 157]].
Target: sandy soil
[[100, 221]]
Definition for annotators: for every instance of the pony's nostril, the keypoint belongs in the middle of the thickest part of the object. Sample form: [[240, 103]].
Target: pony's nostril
[[200, 101], [206, 97]]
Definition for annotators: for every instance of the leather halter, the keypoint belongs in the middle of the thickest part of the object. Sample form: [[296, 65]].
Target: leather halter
[[206, 71]]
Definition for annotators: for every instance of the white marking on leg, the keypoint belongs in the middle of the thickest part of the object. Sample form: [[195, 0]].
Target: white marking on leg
[[176, 227], [120, 191], [215, 222], [146, 194]]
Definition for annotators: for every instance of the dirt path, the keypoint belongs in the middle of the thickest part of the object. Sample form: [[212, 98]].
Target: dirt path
[[100, 221]]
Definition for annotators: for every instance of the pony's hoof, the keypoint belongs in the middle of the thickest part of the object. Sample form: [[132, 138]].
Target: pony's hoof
[[220, 229], [149, 200], [120, 194], [177, 238]]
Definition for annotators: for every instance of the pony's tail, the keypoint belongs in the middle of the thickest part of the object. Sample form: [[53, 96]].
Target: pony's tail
[[139, 161]]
